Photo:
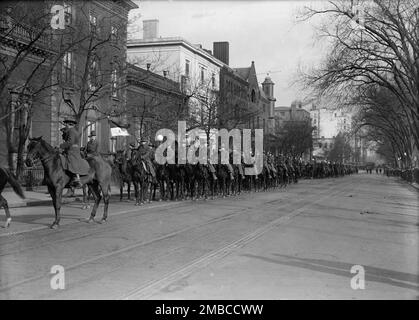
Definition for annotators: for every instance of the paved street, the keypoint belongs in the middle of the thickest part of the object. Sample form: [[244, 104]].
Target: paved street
[[299, 243]]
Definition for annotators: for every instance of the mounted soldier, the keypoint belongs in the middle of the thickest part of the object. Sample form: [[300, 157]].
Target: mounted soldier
[[146, 154], [71, 146], [228, 164], [92, 147]]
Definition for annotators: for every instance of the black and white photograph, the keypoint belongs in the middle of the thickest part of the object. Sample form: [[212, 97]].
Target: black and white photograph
[[232, 152]]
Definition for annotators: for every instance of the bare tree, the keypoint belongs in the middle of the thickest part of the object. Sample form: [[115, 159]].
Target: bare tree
[[379, 48], [295, 138]]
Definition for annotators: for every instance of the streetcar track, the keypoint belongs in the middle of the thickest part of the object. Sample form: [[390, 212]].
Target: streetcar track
[[130, 247], [78, 220], [143, 243], [109, 226], [149, 289]]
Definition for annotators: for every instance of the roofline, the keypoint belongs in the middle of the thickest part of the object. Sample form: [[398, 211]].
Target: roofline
[[173, 41], [131, 5]]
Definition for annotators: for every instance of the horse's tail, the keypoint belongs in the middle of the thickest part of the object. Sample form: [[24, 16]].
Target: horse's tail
[[14, 183]]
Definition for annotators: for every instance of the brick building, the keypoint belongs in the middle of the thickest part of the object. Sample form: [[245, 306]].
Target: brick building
[[83, 62], [153, 102]]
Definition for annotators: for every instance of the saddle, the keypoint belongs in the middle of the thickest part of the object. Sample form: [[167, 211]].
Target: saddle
[[65, 164]]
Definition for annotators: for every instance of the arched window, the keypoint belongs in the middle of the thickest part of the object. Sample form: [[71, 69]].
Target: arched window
[[253, 96]]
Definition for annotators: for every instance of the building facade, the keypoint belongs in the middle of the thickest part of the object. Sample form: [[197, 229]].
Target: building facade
[[196, 69], [327, 124], [153, 102], [74, 70]]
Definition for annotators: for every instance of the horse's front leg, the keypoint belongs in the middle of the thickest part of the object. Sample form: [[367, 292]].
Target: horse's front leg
[[94, 187], [86, 204], [56, 195], [136, 192], [105, 192], [3, 203], [129, 190]]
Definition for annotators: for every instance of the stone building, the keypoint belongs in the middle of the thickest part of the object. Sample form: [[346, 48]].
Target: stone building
[[153, 102], [82, 61]]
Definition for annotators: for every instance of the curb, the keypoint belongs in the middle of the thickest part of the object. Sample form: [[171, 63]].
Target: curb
[[37, 203]]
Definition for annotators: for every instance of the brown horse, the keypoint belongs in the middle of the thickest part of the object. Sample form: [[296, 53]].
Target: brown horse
[[56, 178], [7, 177]]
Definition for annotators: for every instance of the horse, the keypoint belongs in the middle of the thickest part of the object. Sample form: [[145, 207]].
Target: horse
[[224, 179], [141, 178], [7, 177], [124, 169], [57, 178]]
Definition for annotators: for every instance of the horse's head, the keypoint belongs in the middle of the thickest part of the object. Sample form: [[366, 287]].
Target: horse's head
[[120, 157], [34, 150]]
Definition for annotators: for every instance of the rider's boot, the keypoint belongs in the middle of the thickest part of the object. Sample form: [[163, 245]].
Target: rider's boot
[[70, 193], [77, 182]]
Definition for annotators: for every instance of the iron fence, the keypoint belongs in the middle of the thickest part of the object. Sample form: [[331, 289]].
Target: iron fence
[[32, 177]]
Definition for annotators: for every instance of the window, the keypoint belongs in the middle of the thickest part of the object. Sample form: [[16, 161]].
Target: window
[[91, 126], [187, 63], [114, 83], [202, 76], [213, 80], [236, 112], [67, 68], [68, 14], [93, 80], [93, 23], [114, 33], [253, 96]]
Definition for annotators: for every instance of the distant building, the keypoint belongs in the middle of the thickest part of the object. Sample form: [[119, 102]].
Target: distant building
[[327, 124], [293, 114], [234, 99], [261, 104], [194, 68]]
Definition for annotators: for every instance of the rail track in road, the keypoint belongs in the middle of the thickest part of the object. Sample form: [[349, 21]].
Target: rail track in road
[[145, 290]]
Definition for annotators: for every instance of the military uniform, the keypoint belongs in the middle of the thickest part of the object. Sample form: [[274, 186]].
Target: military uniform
[[146, 154], [92, 147], [75, 164]]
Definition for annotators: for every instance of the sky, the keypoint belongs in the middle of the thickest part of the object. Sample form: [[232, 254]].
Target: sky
[[266, 32]]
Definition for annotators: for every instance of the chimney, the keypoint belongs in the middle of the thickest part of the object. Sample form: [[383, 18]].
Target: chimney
[[150, 29], [221, 51]]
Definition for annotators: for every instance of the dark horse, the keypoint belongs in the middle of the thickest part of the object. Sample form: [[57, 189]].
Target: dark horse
[[125, 170], [7, 177], [56, 178]]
